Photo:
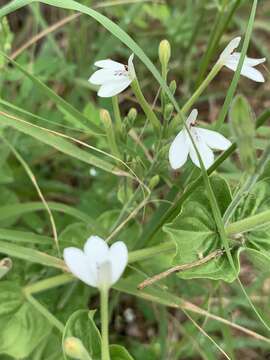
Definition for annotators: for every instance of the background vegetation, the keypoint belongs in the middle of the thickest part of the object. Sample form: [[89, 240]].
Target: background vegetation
[[44, 82]]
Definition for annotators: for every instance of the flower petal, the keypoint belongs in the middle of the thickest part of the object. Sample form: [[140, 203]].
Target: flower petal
[[110, 64], [119, 260], [114, 88], [179, 149], [103, 76], [205, 152], [233, 44], [247, 70], [252, 74], [96, 250], [131, 69], [192, 117], [78, 264], [214, 139], [248, 61]]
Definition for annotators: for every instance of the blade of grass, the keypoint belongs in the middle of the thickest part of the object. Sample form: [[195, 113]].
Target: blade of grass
[[35, 8], [24, 237], [31, 255], [77, 117], [24, 208], [236, 77], [22, 111], [221, 23], [47, 136], [35, 183], [58, 141]]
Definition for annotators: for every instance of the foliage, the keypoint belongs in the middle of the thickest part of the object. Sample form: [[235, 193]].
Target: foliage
[[116, 182]]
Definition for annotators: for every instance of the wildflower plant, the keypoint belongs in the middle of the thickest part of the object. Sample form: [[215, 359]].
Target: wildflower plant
[[160, 217]]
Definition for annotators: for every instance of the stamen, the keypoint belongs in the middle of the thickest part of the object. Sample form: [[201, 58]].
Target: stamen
[[120, 73]]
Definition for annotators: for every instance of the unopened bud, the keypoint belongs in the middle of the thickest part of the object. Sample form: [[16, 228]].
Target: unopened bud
[[173, 86], [105, 118], [164, 52], [5, 266], [132, 115], [168, 111], [243, 129], [75, 349], [154, 181]]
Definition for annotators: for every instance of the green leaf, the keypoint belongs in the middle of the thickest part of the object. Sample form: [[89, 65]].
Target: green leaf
[[56, 142], [75, 235], [118, 352], [257, 201], [6, 37], [258, 238], [195, 234], [22, 326], [50, 349], [8, 197], [259, 258], [82, 326], [243, 129]]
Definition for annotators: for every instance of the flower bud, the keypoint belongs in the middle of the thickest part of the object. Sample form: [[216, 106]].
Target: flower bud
[[74, 348], [173, 86], [168, 111], [243, 129], [110, 132], [132, 115], [5, 266], [164, 52], [154, 181], [105, 118]]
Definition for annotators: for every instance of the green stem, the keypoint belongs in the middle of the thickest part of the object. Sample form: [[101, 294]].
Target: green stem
[[47, 314], [187, 106], [215, 70], [145, 106], [232, 89], [149, 252], [249, 223], [221, 23], [211, 46], [48, 284], [164, 71], [104, 295], [110, 133], [117, 114]]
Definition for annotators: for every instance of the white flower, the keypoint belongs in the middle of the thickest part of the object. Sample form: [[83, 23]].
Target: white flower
[[97, 265], [204, 139], [113, 76], [230, 59]]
